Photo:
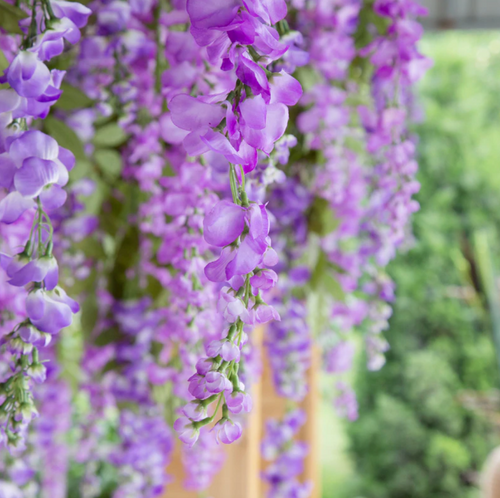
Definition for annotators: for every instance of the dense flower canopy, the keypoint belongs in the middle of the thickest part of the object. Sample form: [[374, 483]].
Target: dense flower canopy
[[188, 171]]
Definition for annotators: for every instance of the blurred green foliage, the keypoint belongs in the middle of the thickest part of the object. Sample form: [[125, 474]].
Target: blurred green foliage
[[414, 438]]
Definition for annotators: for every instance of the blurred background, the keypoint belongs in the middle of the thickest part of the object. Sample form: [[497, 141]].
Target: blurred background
[[446, 318]]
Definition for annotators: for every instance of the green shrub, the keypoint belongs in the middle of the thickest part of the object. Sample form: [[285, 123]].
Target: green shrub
[[414, 439]]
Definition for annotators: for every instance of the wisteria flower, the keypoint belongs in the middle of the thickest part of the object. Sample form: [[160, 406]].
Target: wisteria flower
[[227, 431], [37, 372], [195, 411], [265, 313], [232, 308], [41, 269], [250, 251], [238, 401], [50, 311], [264, 280], [217, 382], [28, 75], [197, 386], [187, 431], [227, 350]]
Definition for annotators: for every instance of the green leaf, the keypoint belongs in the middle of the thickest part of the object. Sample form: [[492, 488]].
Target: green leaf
[[93, 203], [332, 286], [4, 63], [110, 135], [307, 76], [318, 312], [319, 270], [110, 162], [321, 218], [72, 98], [10, 15], [329, 221], [65, 136], [323, 279], [82, 169]]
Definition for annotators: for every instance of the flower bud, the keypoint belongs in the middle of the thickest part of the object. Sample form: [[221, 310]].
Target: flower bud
[[228, 431], [238, 401], [37, 372], [216, 382], [195, 411], [17, 345], [187, 431], [25, 412]]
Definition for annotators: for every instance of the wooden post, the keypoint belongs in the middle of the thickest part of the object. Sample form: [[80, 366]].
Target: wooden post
[[273, 406]]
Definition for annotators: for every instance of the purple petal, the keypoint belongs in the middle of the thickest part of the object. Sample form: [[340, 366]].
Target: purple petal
[[203, 366], [249, 157], [32, 272], [191, 114], [224, 223], [271, 257], [56, 316], [5, 260], [256, 221], [53, 197], [13, 206], [254, 76], [277, 121], [28, 75], [254, 112], [216, 270], [48, 45], [270, 11], [69, 29], [17, 263], [285, 89], [206, 14], [7, 170], [187, 433], [50, 270], [51, 95], [194, 145], [248, 256], [228, 431], [265, 280], [277, 10], [9, 100], [230, 352], [169, 132], [195, 411], [60, 295], [33, 143], [74, 11], [213, 348], [35, 305], [265, 313], [219, 143], [35, 174], [268, 42], [244, 34]]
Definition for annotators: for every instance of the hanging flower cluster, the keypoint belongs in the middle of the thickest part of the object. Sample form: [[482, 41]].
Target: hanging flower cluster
[[240, 164], [34, 170], [240, 40], [286, 455]]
